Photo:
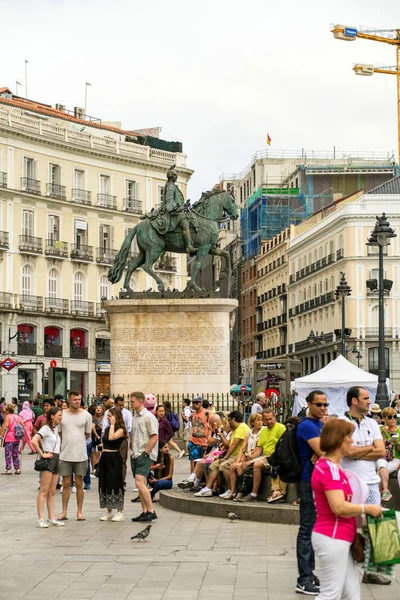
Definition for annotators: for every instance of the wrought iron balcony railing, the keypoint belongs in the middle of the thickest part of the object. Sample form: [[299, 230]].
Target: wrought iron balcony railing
[[133, 206], [107, 201], [30, 185], [31, 303], [57, 305], [81, 196], [54, 190], [30, 244], [56, 249], [4, 240], [105, 255], [82, 308], [81, 252]]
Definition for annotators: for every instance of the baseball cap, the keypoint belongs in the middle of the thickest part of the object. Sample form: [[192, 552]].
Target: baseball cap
[[375, 408], [197, 399]]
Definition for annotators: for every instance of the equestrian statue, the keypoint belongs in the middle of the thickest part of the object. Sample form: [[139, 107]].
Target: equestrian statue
[[177, 227]]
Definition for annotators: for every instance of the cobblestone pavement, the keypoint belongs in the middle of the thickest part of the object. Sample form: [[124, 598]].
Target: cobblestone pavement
[[187, 556]]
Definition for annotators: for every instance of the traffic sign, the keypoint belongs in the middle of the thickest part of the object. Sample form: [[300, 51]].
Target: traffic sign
[[243, 388], [8, 364], [53, 363]]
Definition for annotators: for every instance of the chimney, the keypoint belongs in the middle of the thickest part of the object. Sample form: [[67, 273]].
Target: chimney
[[79, 112]]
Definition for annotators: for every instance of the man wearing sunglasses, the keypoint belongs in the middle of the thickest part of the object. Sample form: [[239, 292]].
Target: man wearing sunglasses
[[367, 447], [307, 436]]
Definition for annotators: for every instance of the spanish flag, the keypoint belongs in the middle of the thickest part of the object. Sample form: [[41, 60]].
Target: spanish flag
[[268, 139]]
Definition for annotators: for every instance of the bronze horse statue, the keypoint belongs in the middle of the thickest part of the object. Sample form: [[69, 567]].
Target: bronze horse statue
[[205, 216]]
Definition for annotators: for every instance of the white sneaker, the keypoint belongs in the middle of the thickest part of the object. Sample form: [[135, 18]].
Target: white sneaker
[[56, 523], [181, 454], [61, 489], [41, 523], [203, 493], [107, 517], [73, 490], [226, 495], [118, 517]]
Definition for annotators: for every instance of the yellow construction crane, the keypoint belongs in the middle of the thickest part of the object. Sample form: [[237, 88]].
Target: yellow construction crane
[[387, 36]]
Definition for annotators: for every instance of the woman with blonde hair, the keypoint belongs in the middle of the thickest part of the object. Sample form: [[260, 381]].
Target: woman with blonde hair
[[336, 524], [391, 463]]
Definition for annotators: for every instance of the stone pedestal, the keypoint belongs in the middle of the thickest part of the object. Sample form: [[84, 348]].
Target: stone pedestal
[[170, 346]]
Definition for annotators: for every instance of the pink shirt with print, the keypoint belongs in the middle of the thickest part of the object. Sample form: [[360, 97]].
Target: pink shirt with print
[[327, 475]]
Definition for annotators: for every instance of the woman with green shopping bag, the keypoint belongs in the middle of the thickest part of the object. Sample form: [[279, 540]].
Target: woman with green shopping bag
[[336, 524]]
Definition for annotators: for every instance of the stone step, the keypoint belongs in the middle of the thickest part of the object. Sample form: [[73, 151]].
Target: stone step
[[184, 501]]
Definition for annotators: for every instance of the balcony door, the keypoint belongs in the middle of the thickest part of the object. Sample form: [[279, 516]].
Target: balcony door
[[29, 168], [26, 281], [55, 175], [53, 283], [106, 235], [80, 234], [79, 179], [54, 228], [27, 223]]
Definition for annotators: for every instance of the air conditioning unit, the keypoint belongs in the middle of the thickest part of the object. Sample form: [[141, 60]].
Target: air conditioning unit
[[79, 112], [60, 107]]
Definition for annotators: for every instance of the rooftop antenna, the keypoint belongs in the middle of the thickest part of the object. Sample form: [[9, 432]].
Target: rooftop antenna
[[17, 83], [26, 78], [86, 87]]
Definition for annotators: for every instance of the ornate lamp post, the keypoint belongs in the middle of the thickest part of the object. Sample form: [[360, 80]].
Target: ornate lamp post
[[358, 355], [380, 236], [342, 291], [317, 341]]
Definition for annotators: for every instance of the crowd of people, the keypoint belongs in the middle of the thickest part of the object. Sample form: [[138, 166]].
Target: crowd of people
[[345, 464]]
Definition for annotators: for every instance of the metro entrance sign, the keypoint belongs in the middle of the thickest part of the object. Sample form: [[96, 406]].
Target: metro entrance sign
[[8, 364]]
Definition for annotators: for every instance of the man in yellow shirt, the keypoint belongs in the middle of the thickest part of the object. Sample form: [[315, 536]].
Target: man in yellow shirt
[[269, 436], [239, 432]]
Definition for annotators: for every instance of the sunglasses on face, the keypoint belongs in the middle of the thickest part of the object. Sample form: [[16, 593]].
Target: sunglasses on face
[[320, 404], [391, 417]]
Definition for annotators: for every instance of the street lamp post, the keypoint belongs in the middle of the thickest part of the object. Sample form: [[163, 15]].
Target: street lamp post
[[380, 236], [358, 355], [317, 341], [342, 291]]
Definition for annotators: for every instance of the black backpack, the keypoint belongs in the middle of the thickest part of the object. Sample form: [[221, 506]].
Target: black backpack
[[285, 459]]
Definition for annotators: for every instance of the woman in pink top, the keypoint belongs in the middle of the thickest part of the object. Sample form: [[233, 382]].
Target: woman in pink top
[[11, 444], [28, 417], [336, 523]]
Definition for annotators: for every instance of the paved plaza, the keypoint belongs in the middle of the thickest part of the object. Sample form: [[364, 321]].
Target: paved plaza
[[188, 557]]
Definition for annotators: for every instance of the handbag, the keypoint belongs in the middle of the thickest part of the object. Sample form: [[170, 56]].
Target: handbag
[[41, 463], [385, 538], [357, 548]]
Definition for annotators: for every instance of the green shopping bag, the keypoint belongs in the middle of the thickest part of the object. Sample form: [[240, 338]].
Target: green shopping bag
[[385, 538]]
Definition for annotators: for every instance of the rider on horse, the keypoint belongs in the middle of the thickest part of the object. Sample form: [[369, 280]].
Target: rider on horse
[[172, 214]]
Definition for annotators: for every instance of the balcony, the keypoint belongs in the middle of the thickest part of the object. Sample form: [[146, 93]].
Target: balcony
[[4, 240], [81, 252], [53, 350], [56, 249], [133, 206], [168, 263], [25, 349], [291, 279], [3, 179], [373, 332], [107, 201], [30, 244], [81, 196], [324, 261], [339, 254], [53, 190], [260, 326], [6, 300], [31, 303], [105, 255], [57, 305], [313, 267], [30, 185], [331, 258], [82, 308], [103, 353], [291, 312], [305, 344], [78, 352], [100, 311]]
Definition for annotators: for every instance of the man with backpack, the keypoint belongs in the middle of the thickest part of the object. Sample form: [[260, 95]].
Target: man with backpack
[[173, 419], [308, 432]]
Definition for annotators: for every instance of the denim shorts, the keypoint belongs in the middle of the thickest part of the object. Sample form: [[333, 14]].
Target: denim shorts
[[141, 464]]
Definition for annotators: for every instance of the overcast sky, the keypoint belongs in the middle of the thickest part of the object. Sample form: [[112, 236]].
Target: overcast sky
[[214, 74]]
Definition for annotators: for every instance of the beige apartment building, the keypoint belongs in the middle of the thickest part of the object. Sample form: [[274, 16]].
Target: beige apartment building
[[321, 248], [71, 188]]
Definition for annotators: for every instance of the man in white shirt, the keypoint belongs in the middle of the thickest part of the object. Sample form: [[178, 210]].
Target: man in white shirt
[[75, 428], [186, 418], [119, 402], [259, 404], [367, 447]]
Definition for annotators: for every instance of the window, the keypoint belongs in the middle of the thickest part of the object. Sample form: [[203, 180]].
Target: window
[[104, 287], [131, 190], [78, 286], [54, 174], [27, 222], [53, 283], [79, 179], [54, 228], [106, 237], [29, 168], [80, 233], [26, 283], [105, 184]]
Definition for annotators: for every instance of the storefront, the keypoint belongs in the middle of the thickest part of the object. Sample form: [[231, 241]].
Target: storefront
[[270, 376]]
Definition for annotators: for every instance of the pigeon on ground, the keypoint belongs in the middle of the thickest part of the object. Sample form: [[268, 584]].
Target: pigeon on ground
[[142, 535], [232, 516]]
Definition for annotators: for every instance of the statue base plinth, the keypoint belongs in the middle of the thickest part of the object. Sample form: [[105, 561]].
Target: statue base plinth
[[170, 346]]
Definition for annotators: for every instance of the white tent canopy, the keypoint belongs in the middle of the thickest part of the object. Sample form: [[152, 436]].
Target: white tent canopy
[[334, 380]]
